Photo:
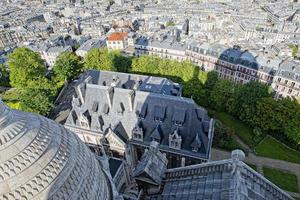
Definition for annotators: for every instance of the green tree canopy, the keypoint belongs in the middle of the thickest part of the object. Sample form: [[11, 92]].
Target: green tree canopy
[[25, 65], [211, 80], [279, 117], [4, 76], [246, 97], [120, 62], [36, 100], [99, 59], [170, 23], [67, 66], [145, 64], [44, 83], [221, 95]]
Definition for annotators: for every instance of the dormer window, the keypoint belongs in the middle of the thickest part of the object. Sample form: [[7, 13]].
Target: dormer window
[[84, 124], [137, 136], [137, 133], [95, 106], [85, 120], [196, 143], [178, 117], [159, 113], [175, 140]]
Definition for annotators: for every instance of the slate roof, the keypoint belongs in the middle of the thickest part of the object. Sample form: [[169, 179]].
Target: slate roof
[[114, 165], [133, 81], [152, 167], [149, 110], [226, 179], [233, 55], [289, 69]]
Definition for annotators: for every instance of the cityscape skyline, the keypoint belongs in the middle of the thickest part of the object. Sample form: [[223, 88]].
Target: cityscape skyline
[[150, 99]]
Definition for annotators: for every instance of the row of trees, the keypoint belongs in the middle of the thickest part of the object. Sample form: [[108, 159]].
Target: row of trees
[[252, 103], [27, 75]]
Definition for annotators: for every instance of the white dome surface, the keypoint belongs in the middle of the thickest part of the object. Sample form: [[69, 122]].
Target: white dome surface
[[40, 159]]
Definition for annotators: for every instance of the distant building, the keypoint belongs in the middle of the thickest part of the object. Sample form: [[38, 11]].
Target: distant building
[[89, 45], [287, 79], [242, 66], [117, 41], [52, 53], [10, 38]]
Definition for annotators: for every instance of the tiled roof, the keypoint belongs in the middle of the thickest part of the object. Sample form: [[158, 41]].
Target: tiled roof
[[117, 36]]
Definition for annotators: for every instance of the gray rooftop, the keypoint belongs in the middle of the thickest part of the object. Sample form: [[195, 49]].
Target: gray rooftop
[[227, 180], [133, 81], [122, 109]]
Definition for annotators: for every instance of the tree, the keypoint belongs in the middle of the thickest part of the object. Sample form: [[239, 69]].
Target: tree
[[294, 49], [145, 64], [25, 65], [223, 137], [4, 76], [120, 62], [221, 95], [44, 84], [291, 112], [245, 100], [268, 116], [38, 96], [278, 117], [67, 66], [211, 80], [36, 100], [170, 23], [99, 59]]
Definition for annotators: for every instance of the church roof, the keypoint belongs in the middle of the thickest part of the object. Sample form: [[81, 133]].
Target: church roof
[[40, 159]]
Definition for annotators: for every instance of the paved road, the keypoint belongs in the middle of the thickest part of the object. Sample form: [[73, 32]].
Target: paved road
[[262, 161]]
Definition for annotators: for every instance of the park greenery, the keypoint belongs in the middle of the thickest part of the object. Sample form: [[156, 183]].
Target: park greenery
[[285, 180], [271, 148], [251, 103], [102, 59], [67, 66], [33, 88], [4, 76], [170, 23]]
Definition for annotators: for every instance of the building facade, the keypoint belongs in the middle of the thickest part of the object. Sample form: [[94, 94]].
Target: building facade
[[234, 63], [117, 41]]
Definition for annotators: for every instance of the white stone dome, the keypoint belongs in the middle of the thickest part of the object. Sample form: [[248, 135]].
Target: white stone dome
[[40, 159]]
